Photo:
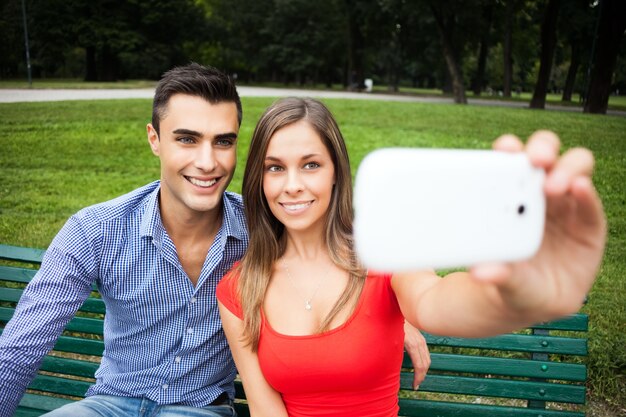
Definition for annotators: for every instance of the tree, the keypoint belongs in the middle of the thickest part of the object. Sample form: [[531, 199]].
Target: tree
[[446, 22], [548, 43], [611, 26], [485, 40], [576, 22]]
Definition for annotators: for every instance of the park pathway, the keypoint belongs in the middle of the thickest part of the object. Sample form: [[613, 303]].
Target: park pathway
[[30, 95]]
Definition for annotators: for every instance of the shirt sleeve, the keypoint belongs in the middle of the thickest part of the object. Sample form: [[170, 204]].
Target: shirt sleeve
[[47, 304], [227, 293]]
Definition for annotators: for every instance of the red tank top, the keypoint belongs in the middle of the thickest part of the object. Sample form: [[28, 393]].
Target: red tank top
[[351, 370]]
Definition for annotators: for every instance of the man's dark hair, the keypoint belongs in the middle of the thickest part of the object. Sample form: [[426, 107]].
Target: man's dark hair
[[197, 80]]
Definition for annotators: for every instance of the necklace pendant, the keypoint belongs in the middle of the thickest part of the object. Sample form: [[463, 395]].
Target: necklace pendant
[[308, 306]]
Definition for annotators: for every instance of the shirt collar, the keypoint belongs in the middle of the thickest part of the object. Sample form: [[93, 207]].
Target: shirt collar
[[233, 224], [152, 225]]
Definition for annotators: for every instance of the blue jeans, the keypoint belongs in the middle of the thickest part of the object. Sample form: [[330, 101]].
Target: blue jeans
[[112, 406]]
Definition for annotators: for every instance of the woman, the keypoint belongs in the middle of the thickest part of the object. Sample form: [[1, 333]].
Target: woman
[[314, 334]]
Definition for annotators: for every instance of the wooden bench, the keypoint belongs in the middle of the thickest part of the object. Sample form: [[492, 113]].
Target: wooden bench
[[535, 373]]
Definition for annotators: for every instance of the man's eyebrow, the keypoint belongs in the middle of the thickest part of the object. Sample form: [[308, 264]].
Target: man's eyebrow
[[230, 135], [183, 131]]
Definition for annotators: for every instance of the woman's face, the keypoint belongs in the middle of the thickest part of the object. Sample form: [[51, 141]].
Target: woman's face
[[298, 178]]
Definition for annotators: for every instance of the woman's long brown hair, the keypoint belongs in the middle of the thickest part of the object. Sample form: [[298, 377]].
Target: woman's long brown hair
[[267, 243]]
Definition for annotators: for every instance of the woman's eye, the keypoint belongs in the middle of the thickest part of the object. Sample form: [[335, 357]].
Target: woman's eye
[[311, 165], [274, 168]]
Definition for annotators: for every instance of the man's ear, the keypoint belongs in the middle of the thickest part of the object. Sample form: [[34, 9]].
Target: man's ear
[[153, 139]]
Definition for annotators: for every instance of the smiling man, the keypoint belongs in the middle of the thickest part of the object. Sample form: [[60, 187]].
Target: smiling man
[[156, 255]]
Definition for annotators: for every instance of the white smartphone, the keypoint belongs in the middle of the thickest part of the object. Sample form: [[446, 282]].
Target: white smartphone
[[438, 208]]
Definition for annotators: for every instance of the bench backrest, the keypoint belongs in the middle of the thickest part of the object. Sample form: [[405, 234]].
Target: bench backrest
[[538, 372]]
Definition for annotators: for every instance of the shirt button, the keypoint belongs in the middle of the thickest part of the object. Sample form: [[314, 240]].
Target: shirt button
[[164, 386], [193, 300], [177, 359], [190, 330]]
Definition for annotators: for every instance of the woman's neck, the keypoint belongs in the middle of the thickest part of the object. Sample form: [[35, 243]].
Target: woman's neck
[[306, 246]]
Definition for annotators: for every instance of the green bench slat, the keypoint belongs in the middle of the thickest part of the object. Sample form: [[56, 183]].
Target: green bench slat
[[10, 294], [91, 305], [59, 385], [516, 342], [14, 274], [503, 388], [85, 325], [18, 253], [575, 322], [242, 410], [36, 404], [80, 345], [424, 408], [68, 366], [239, 392], [504, 366], [77, 324]]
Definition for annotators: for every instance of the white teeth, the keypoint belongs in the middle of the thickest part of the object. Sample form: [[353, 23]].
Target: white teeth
[[294, 207], [201, 183]]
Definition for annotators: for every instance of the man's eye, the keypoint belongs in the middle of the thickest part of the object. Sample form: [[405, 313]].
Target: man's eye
[[225, 142], [186, 139]]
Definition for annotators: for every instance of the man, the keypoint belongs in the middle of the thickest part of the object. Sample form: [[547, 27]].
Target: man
[[156, 255]]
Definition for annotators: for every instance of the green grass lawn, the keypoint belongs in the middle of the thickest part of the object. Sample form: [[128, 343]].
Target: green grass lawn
[[58, 157]]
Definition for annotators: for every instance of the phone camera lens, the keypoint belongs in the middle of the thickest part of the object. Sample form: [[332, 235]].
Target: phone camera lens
[[521, 209]]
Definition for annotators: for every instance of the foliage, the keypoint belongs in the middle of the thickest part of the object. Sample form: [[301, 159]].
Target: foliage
[[394, 42]]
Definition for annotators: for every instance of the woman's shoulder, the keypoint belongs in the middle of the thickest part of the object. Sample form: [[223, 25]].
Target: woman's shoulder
[[226, 290]]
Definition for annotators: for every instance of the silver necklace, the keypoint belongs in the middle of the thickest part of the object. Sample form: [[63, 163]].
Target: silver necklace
[[307, 304]]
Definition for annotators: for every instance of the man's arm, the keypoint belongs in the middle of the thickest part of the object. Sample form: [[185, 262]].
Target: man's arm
[[48, 302]]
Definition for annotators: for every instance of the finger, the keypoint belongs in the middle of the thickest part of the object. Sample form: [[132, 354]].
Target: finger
[[543, 148], [508, 143], [589, 205], [576, 162]]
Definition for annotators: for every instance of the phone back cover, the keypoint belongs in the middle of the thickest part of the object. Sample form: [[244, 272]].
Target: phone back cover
[[431, 208]]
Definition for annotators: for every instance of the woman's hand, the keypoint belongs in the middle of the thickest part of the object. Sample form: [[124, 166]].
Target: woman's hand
[[556, 280]]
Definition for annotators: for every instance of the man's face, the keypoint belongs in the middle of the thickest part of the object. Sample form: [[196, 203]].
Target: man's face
[[197, 146]]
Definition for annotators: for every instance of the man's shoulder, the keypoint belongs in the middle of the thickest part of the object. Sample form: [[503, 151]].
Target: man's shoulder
[[121, 206]]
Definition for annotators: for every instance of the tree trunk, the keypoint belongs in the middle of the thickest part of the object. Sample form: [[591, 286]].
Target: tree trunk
[[356, 42], [610, 32], [571, 72], [479, 79], [445, 28], [548, 43], [108, 64], [91, 72], [507, 49]]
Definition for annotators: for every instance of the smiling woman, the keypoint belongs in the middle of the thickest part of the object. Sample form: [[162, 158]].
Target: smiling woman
[[299, 306]]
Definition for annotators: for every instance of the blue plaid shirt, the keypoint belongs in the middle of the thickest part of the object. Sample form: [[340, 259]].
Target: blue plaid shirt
[[163, 336]]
